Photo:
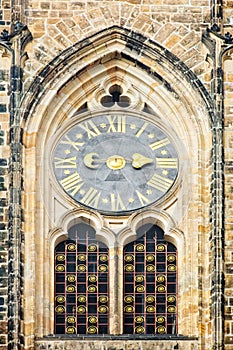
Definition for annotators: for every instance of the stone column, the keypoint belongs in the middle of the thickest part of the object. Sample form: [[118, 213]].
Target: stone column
[[15, 42]]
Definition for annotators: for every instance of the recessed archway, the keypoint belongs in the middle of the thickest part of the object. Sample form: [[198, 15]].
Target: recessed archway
[[74, 84]]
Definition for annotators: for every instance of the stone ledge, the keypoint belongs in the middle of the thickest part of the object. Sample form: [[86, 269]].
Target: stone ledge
[[106, 343]]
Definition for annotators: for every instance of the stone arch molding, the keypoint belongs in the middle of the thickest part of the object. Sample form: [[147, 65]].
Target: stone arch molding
[[122, 54], [154, 217], [148, 74], [77, 79], [77, 216], [126, 235]]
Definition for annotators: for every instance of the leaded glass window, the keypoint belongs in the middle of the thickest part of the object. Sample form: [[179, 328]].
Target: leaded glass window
[[81, 284], [150, 284]]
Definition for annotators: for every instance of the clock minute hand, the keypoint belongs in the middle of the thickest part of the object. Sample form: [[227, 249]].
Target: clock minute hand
[[138, 160], [91, 159], [116, 162]]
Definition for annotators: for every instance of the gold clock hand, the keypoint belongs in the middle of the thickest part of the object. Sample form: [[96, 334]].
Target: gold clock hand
[[89, 160], [138, 160], [115, 162]]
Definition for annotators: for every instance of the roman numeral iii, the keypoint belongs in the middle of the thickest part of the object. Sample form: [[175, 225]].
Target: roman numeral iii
[[166, 163], [160, 183]]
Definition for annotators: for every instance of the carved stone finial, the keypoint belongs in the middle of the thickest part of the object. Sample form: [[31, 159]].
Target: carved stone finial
[[228, 38], [18, 26], [4, 35], [215, 28], [19, 30]]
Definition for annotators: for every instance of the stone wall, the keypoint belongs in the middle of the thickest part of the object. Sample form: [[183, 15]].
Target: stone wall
[[162, 344], [5, 60], [5, 13], [178, 26], [148, 83], [228, 146]]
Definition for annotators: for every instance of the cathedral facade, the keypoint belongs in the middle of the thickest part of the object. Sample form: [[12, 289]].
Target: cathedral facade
[[116, 147]]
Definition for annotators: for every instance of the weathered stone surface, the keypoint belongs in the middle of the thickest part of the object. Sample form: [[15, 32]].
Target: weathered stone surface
[[202, 221], [116, 345]]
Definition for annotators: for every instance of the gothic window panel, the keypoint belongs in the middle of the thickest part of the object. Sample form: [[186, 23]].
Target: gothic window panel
[[81, 284], [150, 284]]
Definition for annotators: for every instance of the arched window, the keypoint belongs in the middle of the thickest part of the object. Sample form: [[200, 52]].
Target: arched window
[[150, 284], [81, 283]]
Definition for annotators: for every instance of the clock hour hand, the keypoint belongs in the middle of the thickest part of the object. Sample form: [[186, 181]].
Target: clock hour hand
[[138, 160], [90, 160], [116, 162]]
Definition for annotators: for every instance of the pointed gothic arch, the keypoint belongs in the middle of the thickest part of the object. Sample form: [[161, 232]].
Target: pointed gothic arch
[[73, 84], [107, 45]]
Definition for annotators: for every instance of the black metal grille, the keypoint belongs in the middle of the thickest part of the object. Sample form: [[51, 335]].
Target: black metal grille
[[150, 285], [81, 287]]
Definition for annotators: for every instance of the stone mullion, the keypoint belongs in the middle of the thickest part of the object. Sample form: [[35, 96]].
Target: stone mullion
[[213, 41], [11, 43], [113, 291], [226, 53], [17, 7], [15, 256], [15, 210], [4, 151], [16, 42], [218, 245], [216, 12], [218, 282], [217, 239]]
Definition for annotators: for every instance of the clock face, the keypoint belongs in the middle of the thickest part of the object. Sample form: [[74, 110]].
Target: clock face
[[115, 163]]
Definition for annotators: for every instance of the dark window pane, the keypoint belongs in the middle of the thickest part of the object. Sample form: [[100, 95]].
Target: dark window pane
[[60, 277], [60, 329], [148, 277], [81, 276]]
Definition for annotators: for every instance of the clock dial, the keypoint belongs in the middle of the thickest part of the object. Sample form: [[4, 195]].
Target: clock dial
[[115, 163]]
